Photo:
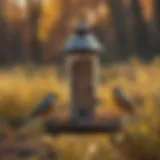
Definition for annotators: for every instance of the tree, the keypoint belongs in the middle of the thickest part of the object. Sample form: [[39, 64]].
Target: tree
[[140, 32], [157, 13], [3, 34], [156, 24], [120, 26], [34, 13]]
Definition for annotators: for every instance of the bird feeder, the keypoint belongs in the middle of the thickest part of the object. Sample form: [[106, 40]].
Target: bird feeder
[[81, 52], [82, 64]]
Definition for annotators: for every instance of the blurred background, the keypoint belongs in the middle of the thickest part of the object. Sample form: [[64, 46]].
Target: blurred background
[[35, 30], [32, 32]]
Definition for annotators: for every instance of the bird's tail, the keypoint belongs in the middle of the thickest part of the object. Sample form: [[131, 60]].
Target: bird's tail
[[26, 122]]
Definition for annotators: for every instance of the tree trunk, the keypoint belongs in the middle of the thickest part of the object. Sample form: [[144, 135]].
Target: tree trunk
[[3, 34], [120, 26], [34, 13], [140, 32], [157, 13], [156, 24]]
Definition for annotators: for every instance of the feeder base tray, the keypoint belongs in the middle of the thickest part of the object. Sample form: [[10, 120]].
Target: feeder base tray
[[98, 125]]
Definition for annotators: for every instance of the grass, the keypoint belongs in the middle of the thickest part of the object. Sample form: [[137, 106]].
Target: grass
[[22, 88]]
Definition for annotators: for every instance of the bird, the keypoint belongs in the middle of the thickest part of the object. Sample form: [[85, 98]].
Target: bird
[[43, 108], [123, 101]]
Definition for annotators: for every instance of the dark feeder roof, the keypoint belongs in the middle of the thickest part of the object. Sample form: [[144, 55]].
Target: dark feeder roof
[[82, 41]]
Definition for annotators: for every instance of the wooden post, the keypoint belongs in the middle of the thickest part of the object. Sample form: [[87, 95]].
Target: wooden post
[[82, 64]]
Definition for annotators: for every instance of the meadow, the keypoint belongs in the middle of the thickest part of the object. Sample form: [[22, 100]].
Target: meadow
[[21, 89]]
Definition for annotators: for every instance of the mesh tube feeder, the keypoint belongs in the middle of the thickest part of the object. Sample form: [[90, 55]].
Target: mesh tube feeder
[[81, 52]]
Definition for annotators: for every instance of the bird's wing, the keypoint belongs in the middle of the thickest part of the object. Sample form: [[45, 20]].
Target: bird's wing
[[126, 97], [130, 100], [42, 107], [26, 122]]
